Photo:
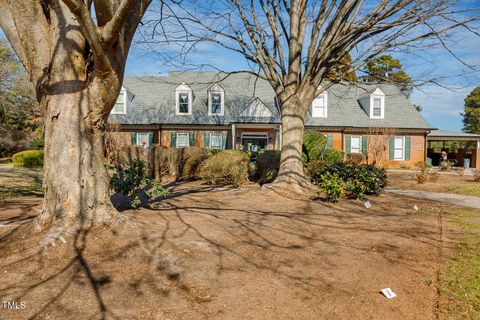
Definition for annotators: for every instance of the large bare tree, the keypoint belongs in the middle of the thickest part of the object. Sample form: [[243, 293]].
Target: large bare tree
[[297, 44], [75, 53]]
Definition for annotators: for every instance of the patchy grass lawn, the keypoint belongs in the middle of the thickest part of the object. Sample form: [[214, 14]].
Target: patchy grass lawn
[[467, 189], [19, 181], [460, 291], [446, 183]]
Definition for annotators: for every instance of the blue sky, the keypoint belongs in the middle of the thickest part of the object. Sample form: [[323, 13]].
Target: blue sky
[[442, 103]]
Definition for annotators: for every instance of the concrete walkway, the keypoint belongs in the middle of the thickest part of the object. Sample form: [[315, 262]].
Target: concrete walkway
[[456, 199]]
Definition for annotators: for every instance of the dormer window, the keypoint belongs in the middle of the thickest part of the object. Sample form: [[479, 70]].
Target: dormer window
[[183, 99], [216, 101], [377, 107], [377, 104], [319, 106], [121, 104]]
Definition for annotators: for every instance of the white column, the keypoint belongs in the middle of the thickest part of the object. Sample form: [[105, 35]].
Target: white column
[[234, 138], [280, 137]]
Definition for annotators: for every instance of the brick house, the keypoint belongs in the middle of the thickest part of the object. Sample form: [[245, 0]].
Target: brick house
[[240, 111]]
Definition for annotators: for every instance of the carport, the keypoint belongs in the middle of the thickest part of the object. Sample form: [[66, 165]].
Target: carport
[[460, 146]]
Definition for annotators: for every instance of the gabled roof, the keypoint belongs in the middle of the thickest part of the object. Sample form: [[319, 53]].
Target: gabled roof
[[248, 99], [257, 109]]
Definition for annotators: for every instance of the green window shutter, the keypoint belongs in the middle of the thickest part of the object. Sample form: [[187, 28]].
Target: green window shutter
[[349, 145], [408, 144], [365, 145], [329, 141], [391, 148], [206, 140], [150, 138], [224, 139], [133, 138], [173, 143], [192, 139]]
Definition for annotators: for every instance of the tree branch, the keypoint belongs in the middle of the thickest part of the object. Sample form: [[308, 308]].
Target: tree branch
[[90, 32], [112, 29]]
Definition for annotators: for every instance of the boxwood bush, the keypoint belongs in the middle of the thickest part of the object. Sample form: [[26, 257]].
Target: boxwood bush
[[28, 159], [358, 179], [226, 167]]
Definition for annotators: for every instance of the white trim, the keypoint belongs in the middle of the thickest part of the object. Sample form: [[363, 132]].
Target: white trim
[[254, 134], [256, 108], [377, 94], [222, 102], [216, 89], [183, 88], [124, 92], [324, 95], [188, 139], [234, 137], [210, 140], [148, 138], [403, 148], [360, 144]]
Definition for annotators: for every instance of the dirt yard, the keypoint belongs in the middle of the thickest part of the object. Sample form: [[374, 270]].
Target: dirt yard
[[222, 253]]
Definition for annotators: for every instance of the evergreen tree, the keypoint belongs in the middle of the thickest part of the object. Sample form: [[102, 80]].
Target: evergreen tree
[[387, 69], [19, 114], [471, 115]]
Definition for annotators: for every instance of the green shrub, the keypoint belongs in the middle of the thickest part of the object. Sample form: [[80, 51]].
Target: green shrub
[[267, 166], [358, 180], [314, 145], [226, 167], [28, 159], [191, 166], [134, 183], [332, 185], [37, 142], [333, 156], [355, 189]]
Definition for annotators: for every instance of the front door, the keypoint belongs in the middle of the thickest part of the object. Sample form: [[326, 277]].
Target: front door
[[254, 142]]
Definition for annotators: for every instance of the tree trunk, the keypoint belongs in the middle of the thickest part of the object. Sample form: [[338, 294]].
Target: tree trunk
[[75, 176], [291, 173]]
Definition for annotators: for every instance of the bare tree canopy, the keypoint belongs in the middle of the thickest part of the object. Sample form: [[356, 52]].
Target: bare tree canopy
[[296, 45], [75, 53]]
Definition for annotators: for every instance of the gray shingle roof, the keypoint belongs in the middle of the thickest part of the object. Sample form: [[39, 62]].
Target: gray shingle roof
[[151, 100], [452, 134]]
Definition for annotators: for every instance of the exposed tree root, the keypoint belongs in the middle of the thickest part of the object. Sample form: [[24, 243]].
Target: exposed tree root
[[59, 231], [292, 187]]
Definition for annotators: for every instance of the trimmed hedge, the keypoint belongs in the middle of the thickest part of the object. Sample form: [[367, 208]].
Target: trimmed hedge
[[192, 164], [359, 180], [226, 167], [28, 159]]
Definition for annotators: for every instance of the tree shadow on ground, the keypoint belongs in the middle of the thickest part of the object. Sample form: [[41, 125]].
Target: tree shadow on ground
[[180, 251]]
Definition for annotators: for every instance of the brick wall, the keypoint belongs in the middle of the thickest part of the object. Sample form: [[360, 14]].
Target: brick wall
[[336, 139], [381, 142], [123, 138], [166, 136], [475, 158]]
